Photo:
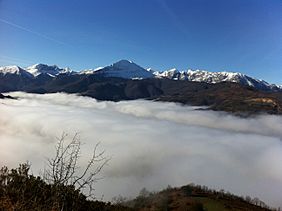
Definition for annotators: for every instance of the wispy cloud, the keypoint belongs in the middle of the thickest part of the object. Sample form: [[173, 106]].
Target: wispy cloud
[[32, 32], [14, 60], [174, 18]]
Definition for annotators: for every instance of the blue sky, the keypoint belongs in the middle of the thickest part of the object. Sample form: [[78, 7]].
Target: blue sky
[[216, 35]]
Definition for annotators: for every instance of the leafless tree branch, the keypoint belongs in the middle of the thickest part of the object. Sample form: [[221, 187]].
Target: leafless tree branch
[[63, 169]]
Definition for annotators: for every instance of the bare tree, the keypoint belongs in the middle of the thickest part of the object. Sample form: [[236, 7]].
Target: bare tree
[[63, 169]]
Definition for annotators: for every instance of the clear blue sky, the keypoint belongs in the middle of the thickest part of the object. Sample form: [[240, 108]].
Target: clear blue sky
[[216, 35]]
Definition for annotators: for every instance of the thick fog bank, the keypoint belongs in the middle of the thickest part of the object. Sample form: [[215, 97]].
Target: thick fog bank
[[152, 144]]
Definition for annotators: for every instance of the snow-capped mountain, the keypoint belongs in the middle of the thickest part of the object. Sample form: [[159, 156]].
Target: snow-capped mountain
[[170, 74], [124, 69], [203, 76], [53, 70], [216, 77], [15, 70]]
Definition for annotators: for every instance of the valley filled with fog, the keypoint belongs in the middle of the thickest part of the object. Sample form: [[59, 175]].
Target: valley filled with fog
[[151, 144]]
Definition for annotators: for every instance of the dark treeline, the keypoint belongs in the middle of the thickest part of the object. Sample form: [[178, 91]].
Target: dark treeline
[[21, 191]]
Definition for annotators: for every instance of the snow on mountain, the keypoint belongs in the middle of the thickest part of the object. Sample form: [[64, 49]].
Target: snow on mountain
[[215, 77], [150, 70], [170, 74], [90, 71], [15, 70], [86, 72], [53, 70], [124, 69], [67, 70]]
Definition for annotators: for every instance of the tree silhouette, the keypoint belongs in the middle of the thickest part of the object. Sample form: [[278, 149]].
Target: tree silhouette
[[63, 169]]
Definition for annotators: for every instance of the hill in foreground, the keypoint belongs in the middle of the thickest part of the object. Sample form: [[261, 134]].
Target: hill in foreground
[[21, 191], [194, 198]]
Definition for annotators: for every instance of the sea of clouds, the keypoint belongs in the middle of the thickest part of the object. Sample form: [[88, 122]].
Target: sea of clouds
[[152, 144]]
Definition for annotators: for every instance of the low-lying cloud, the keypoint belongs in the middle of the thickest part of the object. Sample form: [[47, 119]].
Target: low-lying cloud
[[152, 144]]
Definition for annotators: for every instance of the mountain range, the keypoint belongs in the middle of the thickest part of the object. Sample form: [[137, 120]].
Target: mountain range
[[125, 80], [129, 70]]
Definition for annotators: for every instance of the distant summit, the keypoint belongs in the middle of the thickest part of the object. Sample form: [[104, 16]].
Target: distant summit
[[14, 70], [124, 69], [53, 70]]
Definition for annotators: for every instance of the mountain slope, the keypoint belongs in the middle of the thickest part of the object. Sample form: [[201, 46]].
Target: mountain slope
[[226, 96], [13, 78]]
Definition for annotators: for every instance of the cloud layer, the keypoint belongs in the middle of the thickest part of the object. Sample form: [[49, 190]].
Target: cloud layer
[[152, 144]]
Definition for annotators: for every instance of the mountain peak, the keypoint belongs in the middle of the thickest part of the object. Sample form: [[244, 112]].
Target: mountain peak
[[10, 68], [124, 61], [38, 69], [124, 69], [13, 69], [125, 64]]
